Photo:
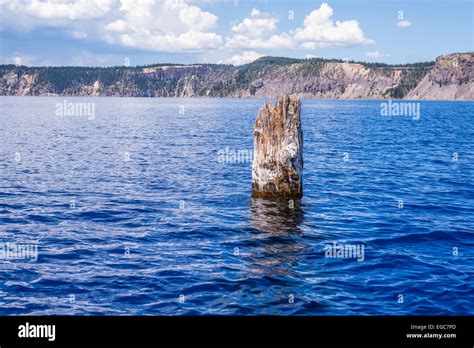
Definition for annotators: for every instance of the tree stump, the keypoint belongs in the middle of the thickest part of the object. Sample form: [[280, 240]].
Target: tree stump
[[277, 168]]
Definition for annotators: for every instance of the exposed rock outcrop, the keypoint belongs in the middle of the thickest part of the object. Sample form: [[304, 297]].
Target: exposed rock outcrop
[[21, 84], [277, 168], [451, 77]]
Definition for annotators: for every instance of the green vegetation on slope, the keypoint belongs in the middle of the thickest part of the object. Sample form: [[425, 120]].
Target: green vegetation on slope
[[200, 80]]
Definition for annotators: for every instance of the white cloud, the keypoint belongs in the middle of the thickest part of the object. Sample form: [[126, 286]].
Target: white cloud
[[256, 25], [272, 42], [310, 56], [244, 58], [165, 26], [403, 24], [308, 45], [255, 12], [177, 26], [153, 25], [196, 19], [17, 59], [377, 54], [119, 26], [319, 30], [65, 9], [258, 31], [78, 34]]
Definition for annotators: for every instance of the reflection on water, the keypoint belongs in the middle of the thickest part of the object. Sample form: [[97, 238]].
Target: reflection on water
[[279, 217], [279, 242]]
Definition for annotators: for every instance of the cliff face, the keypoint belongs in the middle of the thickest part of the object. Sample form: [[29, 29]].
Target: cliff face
[[17, 83], [451, 77], [333, 80]]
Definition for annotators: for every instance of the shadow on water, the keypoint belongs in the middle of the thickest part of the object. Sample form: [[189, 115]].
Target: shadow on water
[[277, 241]]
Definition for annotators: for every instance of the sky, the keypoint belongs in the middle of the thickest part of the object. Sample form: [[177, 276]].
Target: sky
[[143, 32]]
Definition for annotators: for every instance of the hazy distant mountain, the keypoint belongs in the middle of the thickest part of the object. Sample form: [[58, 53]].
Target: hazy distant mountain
[[450, 77]]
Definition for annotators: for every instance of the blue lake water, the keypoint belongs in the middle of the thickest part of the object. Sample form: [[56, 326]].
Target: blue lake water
[[134, 212]]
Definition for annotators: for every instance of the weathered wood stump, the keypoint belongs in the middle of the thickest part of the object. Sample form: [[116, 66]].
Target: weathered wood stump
[[277, 168]]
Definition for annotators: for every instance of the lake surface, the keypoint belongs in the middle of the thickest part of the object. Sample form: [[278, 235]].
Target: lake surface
[[134, 210]]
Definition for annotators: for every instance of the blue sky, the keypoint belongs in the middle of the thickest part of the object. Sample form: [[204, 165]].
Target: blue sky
[[117, 32]]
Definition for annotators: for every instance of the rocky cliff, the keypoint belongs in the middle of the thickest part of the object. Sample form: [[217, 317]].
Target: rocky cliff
[[450, 77]]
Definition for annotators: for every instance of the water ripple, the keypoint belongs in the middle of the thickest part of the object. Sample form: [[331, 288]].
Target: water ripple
[[133, 213]]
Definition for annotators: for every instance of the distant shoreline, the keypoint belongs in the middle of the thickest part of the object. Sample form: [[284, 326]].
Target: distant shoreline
[[233, 98], [450, 77]]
